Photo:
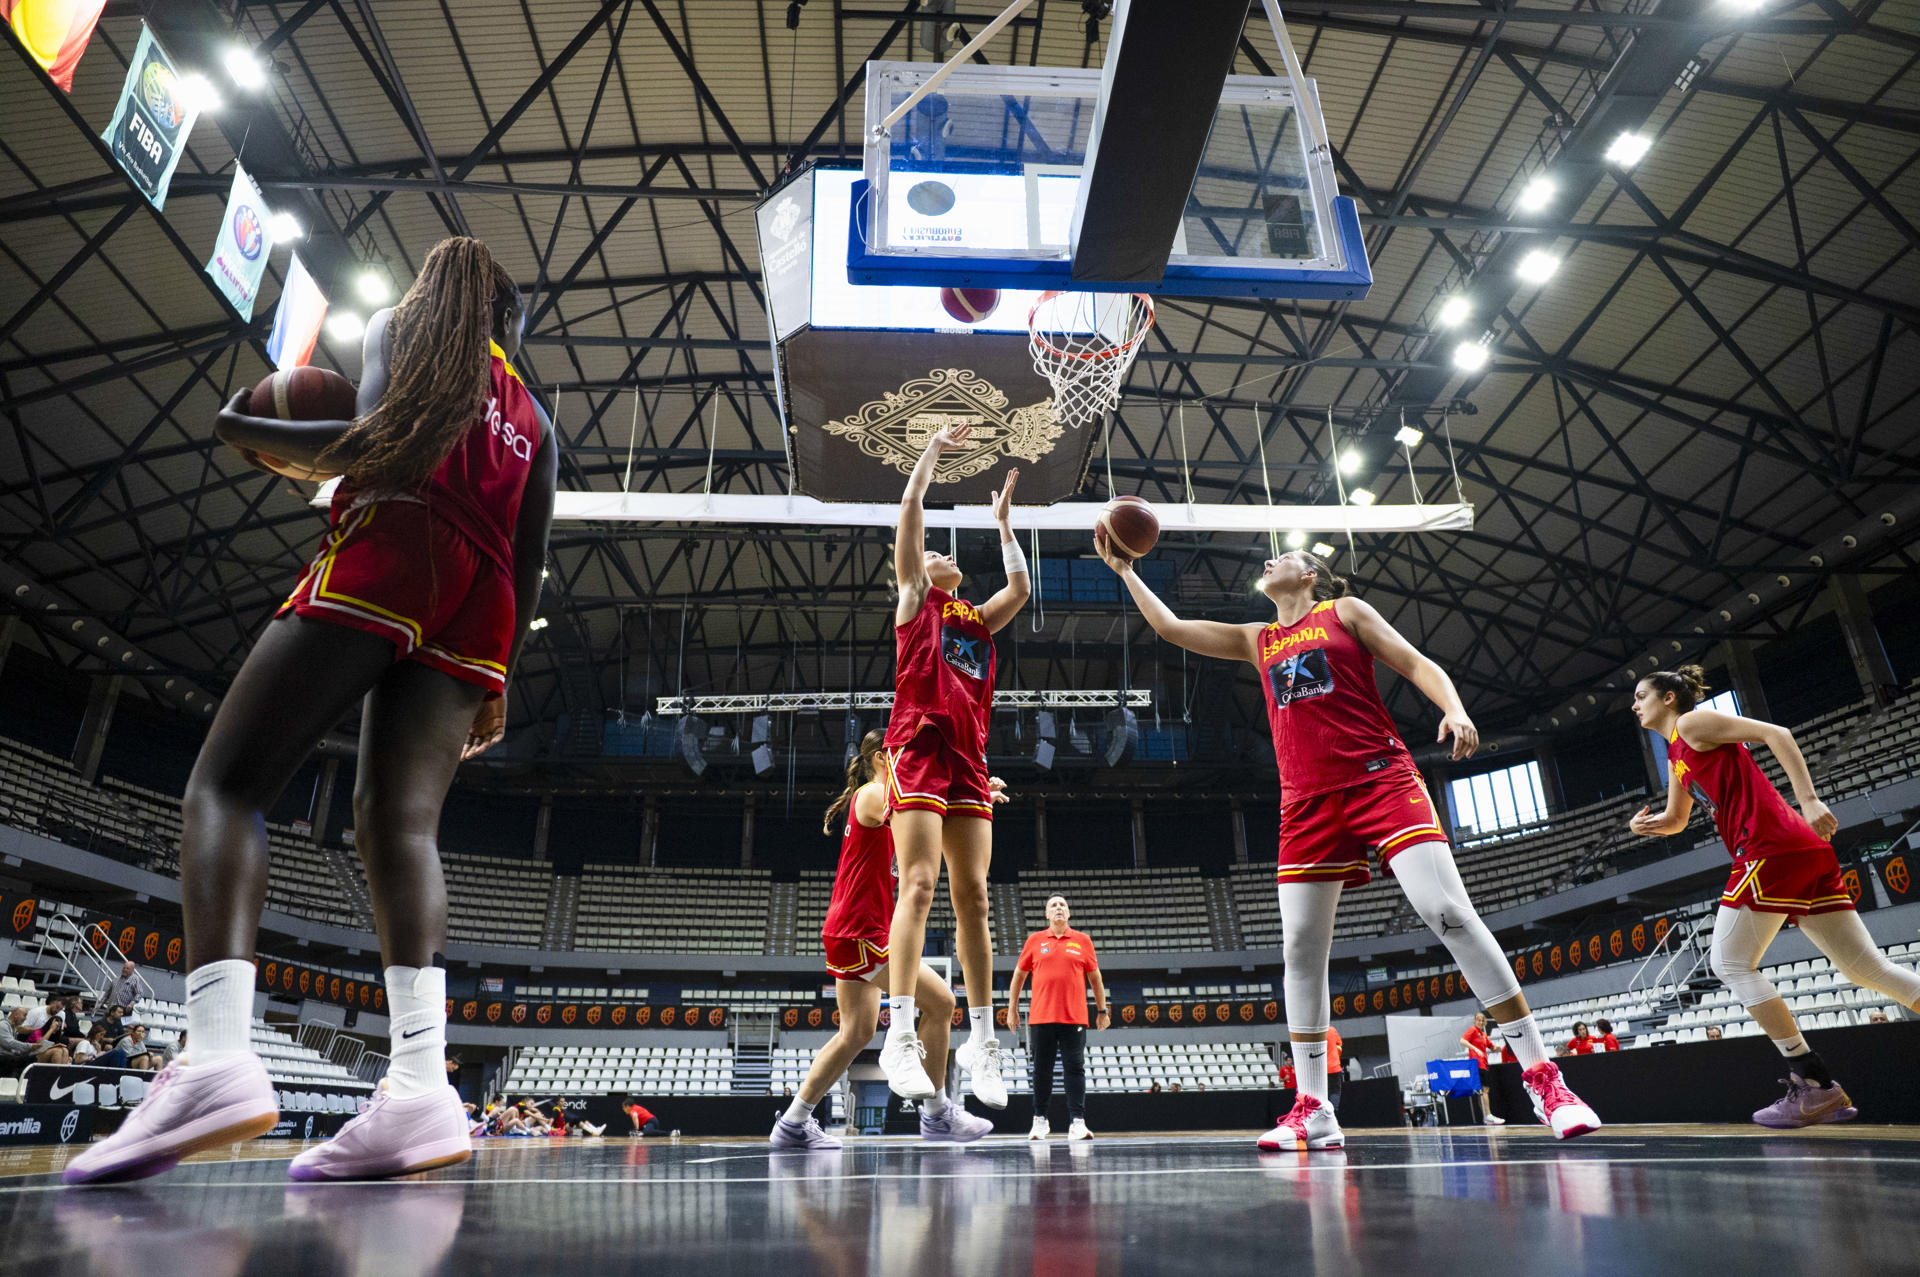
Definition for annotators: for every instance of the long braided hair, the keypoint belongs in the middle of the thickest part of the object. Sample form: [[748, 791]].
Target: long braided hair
[[437, 373]]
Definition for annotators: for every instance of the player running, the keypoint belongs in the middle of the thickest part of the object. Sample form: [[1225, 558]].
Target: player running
[[1348, 784], [937, 796], [1783, 867], [855, 933], [418, 602]]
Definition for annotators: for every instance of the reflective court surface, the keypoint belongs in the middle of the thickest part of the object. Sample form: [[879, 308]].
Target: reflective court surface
[[1629, 1200]]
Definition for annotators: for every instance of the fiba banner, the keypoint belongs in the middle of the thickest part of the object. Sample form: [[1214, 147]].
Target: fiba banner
[[53, 32], [239, 260], [296, 319], [861, 405], [151, 124]]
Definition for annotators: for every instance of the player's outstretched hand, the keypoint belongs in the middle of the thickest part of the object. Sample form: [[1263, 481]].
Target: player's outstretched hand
[[489, 726], [1118, 562], [1003, 499], [948, 438], [1466, 737], [997, 790]]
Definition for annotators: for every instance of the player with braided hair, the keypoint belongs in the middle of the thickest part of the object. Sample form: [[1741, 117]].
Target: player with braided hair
[[416, 608]]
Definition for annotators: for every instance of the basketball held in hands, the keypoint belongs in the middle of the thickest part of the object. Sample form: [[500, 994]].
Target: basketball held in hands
[[300, 394], [1130, 525]]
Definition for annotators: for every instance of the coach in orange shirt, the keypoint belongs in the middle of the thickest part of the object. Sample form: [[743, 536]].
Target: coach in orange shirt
[[1061, 960]]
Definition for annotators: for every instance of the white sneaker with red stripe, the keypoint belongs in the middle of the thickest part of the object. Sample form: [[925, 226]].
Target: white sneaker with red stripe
[[1310, 1125], [1557, 1107]]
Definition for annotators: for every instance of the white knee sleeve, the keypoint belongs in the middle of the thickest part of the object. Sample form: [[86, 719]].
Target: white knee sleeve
[[1427, 874], [1844, 939], [1306, 927], [1740, 940]]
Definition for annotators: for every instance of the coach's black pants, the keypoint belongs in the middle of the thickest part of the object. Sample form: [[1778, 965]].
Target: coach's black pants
[[1069, 1043]]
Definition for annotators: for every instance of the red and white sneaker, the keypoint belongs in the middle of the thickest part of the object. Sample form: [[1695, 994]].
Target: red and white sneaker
[[392, 1137], [189, 1107], [1557, 1107], [1310, 1125]]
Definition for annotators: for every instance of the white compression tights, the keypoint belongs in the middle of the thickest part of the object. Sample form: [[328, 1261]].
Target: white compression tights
[[1741, 937], [1426, 873]]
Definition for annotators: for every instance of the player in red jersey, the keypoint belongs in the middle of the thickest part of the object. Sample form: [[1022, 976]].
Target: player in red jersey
[[1479, 1048], [415, 609], [855, 935], [1783, 867], [937, 795], [1348, 785]]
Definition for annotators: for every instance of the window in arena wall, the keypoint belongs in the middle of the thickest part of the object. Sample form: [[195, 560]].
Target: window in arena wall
[[1492, 802]]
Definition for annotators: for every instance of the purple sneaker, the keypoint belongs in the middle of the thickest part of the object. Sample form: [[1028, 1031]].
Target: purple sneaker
[[392, 1137], [188, 1108], [808, 1135], [955, 1126], [1807, 1105]]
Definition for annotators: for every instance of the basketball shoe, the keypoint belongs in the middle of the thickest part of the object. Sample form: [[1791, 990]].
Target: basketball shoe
[[1310, 1125], [980, 1057], [188, 1108], [1806, 1104], [1557, 1107], [1077, 1130], [900, 1060], [1041, 1130], [808, 1135], [392, 1137], [954, 1126]]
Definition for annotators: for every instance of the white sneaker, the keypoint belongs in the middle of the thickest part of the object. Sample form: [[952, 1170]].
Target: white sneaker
[[1311, 1125], [980, 1057], [1040, 1129], [1491, 1120], [1078, 1130], [955, 1126], [900, 1060], [807, 1135]]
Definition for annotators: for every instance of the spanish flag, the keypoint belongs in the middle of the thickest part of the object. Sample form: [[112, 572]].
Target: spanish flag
[[54, 32]]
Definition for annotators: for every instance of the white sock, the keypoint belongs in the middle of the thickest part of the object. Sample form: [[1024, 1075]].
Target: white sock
[[1524, 1040], [1310, 1068], [799, 1111], [417, 1028], [936, 1104], [900, 1016], [219, 1010], [981, 1018], [1791, 1047]]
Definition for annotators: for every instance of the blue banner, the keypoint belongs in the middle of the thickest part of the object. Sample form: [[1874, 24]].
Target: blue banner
[[240, 250], [151, 124]]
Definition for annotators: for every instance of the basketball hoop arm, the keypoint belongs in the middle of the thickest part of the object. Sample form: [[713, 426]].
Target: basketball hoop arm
[[951, 65]]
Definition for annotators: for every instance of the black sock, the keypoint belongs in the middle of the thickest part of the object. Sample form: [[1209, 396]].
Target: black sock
[[1811, 1068]]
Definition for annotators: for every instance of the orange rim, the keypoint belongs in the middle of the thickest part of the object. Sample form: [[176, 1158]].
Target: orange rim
[[1110, 352]]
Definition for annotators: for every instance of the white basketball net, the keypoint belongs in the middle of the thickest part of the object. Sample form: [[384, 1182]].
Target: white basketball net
[[1083, 344]]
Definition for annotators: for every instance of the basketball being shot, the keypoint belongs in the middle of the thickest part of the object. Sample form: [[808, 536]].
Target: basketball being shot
[[972, 635]]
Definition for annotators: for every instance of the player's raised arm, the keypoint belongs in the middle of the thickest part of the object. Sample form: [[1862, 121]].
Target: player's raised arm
[[1707, 728], [1409, 662], [910, 534], [1208, 638], [1000, 609]]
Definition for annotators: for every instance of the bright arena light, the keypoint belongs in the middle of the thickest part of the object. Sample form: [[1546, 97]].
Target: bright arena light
[[1628, 149], [244, 68], [373, 287], [1351, 461], [1362, 496], [1744, 6], [1469, 356], [1321, 550], [537, 623], [1537, 267], [285, 226], [346, 326], [1296, 539], [1454, 311], [198, 92], [1407, 436], [1538, 194]]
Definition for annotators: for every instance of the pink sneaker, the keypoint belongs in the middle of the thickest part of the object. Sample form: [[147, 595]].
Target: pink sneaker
[[1556, 1106], [188, 1108], [1805, 1104], [392, 1137]]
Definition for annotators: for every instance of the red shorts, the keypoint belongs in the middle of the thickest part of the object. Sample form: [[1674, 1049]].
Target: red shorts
[[1325, 838], [1796, 884], [855, 958], [927, 774], [388, 569]]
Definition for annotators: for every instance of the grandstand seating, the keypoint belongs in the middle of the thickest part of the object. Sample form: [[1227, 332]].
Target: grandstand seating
[[497, 901], [621, 1070], [1220, 1066], [1128, 910], [816, 889], [630, 909]]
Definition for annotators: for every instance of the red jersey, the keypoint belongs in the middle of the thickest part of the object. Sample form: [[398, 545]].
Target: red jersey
[[1478, 1044], [1288, 1080], [862, 903], [1059, 965], [479, 486], [1334, 1047], [943, 674], [1581, 1046], [1329, 727], [1753, 820], [1608, 1042]]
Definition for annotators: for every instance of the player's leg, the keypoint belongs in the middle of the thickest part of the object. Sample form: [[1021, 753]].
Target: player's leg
[[1073, 1064], [412, 729], [916, 855], [1740, 939], [1043, 1048], [1843, 937], [942, 1119], [298, 681], [1427, 874], [859, 1003], [968, 846], [1306, 926]]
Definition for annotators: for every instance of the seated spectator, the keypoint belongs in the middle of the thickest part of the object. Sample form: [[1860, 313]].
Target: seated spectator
[[1876, 1016], [1608, 1042], [108, 1052], [89, 1047], [1713, 1033], [139, 1055], [17, 1052], [123, 991], [1154, 1089], [38, 1017], [173, 1050], [1581, 1043], [1176, 1089], [644, 1122], [114, 1022]]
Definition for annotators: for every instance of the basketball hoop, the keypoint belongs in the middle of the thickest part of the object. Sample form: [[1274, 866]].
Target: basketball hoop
[[1083, 344]]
